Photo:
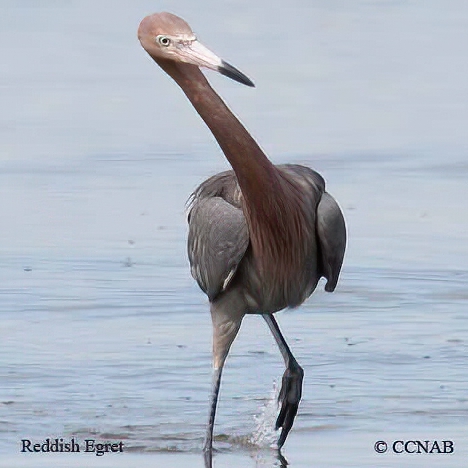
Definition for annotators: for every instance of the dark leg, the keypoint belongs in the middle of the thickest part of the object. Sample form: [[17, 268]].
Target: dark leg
[[208, 445], [291, 387]]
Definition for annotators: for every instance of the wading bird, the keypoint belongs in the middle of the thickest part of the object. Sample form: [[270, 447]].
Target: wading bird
[[260, 236]]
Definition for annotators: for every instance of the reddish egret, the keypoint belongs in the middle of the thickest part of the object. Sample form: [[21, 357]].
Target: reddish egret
[[260, 236]]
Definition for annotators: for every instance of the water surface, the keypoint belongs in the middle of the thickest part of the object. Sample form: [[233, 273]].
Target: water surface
[[104, 333]]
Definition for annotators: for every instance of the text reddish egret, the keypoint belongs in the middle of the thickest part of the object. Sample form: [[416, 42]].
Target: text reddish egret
[[260, 236]]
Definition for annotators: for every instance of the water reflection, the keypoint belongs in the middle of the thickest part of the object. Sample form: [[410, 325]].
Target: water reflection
[[273, 459]]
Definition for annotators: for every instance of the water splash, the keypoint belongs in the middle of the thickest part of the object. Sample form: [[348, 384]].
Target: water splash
[[264, 434]]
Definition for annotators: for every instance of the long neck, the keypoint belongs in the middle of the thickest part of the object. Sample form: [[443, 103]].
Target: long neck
[[256, 174], [271, 203]]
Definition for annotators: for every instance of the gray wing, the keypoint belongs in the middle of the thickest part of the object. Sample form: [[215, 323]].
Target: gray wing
[[217, 241], [331, 231]]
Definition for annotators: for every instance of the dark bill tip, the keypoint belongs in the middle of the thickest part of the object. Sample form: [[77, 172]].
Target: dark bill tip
[[232, 72]]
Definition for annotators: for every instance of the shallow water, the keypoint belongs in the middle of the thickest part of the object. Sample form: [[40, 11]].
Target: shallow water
[[104, 333]]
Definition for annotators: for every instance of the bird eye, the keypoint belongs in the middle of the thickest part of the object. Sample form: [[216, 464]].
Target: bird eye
[[164, 40]]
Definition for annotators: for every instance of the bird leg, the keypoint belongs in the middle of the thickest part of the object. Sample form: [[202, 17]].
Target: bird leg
[[226, 325], [291, 386], [208, 444]]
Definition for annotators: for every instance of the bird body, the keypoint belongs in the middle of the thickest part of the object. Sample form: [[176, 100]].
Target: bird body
[[260, 236], [222, 255]]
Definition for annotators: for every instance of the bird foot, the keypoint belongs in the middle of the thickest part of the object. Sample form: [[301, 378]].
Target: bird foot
[[289, 398]]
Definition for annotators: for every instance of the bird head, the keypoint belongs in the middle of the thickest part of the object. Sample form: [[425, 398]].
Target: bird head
[[167, 37]]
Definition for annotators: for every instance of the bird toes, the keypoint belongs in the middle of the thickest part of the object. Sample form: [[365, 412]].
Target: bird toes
[[289, 398]]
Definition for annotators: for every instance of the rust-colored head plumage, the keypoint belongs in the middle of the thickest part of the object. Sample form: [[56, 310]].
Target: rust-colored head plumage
[[159, 31], [168, 38]]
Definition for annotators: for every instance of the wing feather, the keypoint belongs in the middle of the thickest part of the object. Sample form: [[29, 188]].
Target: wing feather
[[331, 231], [217, 241]]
